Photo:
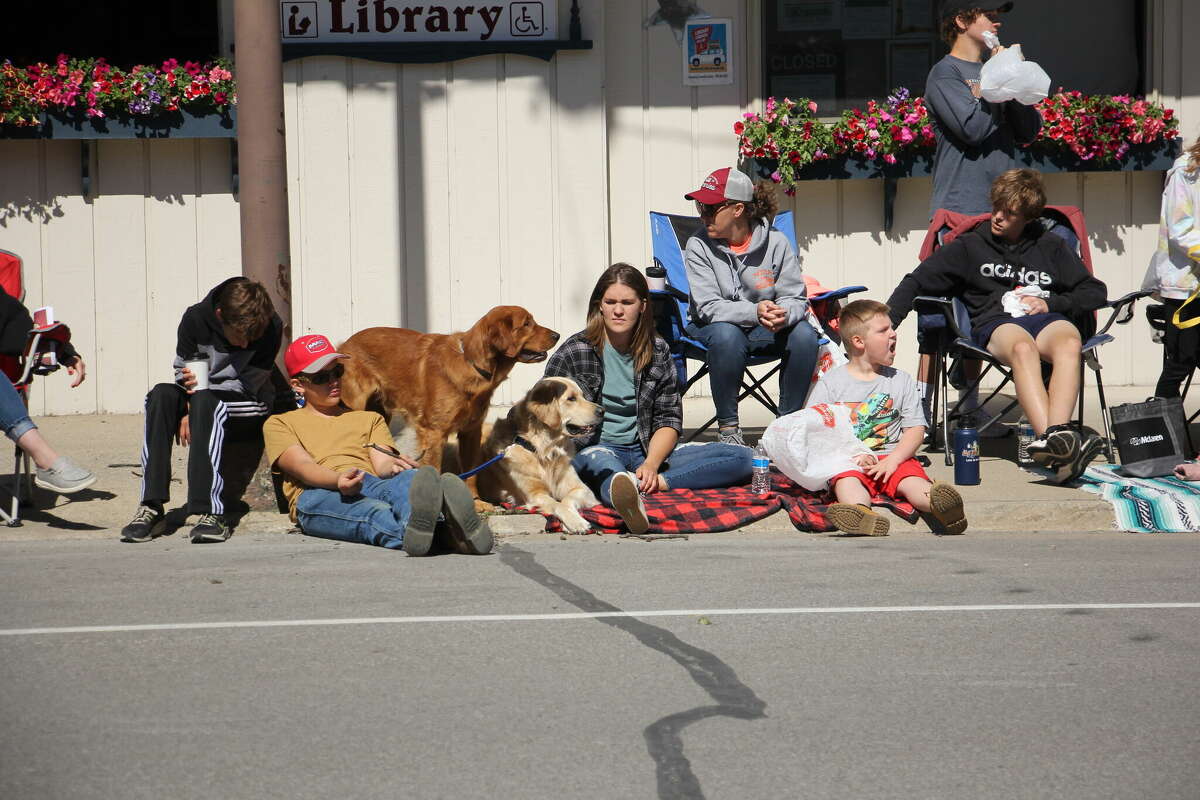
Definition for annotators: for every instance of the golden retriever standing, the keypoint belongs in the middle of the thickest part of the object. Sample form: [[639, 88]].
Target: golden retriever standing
[[536, 438], [430, 385]]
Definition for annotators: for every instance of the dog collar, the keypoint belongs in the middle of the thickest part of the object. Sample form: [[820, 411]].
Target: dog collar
[[487, 376], [521, 440]]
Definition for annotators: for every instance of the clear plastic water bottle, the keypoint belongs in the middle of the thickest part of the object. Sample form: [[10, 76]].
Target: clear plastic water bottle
[[760, 474], [1025, 437]]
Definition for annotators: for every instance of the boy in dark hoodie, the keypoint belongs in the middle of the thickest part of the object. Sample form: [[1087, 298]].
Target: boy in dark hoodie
[[236, 328], [1026, 293]]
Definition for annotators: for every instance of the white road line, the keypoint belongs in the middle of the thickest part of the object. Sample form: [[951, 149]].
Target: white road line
[[699, 612]]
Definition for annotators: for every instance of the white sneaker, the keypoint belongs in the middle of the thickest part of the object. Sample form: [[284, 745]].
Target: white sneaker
[[64, 476], [627, 501]]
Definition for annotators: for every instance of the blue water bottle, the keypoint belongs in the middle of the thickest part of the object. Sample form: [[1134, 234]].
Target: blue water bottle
[[966, 454]]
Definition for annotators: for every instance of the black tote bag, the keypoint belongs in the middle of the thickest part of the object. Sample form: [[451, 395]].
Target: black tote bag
[[1151, 437]]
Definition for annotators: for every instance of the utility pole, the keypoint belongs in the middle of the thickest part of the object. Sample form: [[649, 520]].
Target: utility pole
[[262, 164]]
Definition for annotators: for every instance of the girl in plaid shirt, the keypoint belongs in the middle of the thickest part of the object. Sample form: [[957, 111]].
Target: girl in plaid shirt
[[621, 364]]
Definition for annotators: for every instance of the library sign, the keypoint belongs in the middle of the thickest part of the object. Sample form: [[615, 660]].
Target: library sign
[[377, 21]]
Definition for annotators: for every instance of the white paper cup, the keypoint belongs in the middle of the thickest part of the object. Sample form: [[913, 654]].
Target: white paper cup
[[199, 370]]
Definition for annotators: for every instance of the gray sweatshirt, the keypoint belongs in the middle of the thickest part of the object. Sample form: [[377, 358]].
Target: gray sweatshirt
[[726, 287], [976, 139]]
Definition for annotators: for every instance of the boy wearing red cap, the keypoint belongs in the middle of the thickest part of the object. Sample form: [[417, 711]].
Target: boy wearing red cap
[[236, 331], [343, 479]]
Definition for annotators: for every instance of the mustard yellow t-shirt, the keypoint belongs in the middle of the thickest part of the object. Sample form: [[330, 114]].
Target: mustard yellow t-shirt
[[334, 442]]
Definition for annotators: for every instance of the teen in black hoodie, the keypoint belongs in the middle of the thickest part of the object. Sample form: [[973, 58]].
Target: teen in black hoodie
[[980, 267], [236, 328]]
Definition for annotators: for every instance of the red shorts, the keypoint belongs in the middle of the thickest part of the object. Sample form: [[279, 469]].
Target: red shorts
[[910, 468]]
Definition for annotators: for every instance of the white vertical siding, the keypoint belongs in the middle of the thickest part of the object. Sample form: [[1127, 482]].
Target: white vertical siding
[[422, 195]]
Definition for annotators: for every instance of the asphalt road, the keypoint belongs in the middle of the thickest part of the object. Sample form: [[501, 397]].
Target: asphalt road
[[886, 670]]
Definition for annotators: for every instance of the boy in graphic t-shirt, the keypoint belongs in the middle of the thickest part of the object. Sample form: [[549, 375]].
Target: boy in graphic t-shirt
[[887, 418]]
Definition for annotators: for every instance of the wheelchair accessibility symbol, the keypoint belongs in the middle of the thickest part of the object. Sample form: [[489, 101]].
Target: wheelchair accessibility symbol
[[526, 19]]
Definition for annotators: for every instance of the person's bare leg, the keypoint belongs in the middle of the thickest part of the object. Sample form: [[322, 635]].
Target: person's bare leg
[[33, 443], [916, 491], [851, 490], [1060, 345], [1014, 346]]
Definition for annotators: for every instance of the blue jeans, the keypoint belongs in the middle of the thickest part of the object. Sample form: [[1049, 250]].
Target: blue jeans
[[729, 347], [378, 515], [701, 465], [14, 416]]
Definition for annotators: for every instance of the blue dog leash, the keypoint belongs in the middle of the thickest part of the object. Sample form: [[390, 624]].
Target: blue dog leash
[[464, 475], [482, 467]]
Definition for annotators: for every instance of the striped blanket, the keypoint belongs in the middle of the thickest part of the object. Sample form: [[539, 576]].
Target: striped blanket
[[1146, 505]]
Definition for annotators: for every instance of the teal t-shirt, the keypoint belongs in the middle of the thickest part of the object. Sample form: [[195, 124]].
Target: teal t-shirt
[[618, 398]]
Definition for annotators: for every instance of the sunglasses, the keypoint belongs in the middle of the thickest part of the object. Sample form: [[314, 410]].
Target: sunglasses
[[324, 376], [710, 210]]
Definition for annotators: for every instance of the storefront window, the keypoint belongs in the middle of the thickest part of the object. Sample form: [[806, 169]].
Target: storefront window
[[843, 52], [125, 32]]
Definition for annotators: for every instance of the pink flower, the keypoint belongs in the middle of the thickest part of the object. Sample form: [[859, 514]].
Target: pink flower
[[906, 136], [775, 176], [812, 106], [889, 158], [873, 134]]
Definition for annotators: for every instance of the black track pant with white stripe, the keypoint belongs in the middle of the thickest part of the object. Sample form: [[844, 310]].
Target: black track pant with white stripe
[[213, 416]]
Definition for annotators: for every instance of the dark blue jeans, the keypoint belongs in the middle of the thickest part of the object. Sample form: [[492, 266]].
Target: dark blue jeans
[[699, 465], [378, 515], [729, 348]]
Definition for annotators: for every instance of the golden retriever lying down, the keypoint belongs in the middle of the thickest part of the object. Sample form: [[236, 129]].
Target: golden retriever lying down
[[536, 438]]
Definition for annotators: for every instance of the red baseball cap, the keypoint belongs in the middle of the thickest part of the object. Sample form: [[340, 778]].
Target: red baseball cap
[[310, 354], [726, 183]]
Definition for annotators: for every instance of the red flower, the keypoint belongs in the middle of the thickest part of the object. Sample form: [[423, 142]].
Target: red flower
[[738, 127]]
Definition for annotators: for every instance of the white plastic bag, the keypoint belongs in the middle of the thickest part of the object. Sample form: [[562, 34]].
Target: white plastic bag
[[1008, 76], [812, 445]]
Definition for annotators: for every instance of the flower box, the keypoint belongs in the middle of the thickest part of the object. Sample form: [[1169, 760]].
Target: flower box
[[74, 123], [1153, 156], [88, 98]]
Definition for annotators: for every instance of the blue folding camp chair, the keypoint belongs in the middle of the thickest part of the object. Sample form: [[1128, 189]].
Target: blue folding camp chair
[[669, 234]]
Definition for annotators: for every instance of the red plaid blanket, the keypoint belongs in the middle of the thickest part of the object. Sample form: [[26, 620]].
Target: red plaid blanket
[[712, 510]]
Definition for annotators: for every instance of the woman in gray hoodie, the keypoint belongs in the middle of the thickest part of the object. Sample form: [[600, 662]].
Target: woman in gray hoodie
[[747, 295]]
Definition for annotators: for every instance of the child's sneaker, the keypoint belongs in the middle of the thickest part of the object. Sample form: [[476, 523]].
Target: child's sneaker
[[853, 518], [1084, 456], [64, 476], [424, 507], [1058, 445], [627, 501], [211, 528], [141, 528], [946, 506], [470, 532]]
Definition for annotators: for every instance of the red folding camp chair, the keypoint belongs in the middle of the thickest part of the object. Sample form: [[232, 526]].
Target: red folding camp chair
[[954, 340], [40, 357]]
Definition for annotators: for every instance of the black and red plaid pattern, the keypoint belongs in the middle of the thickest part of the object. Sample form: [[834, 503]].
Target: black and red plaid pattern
[[712, 510]]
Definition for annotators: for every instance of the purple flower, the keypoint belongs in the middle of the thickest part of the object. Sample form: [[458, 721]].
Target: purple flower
[[139, 106], [154, 97]]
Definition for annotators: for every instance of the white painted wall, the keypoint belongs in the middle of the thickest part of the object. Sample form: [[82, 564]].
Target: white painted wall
[[422, 195]]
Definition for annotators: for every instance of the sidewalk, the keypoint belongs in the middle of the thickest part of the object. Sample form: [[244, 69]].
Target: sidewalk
[[1007, 499]]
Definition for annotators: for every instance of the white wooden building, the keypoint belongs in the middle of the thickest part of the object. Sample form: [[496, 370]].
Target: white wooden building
[[423, 194]]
